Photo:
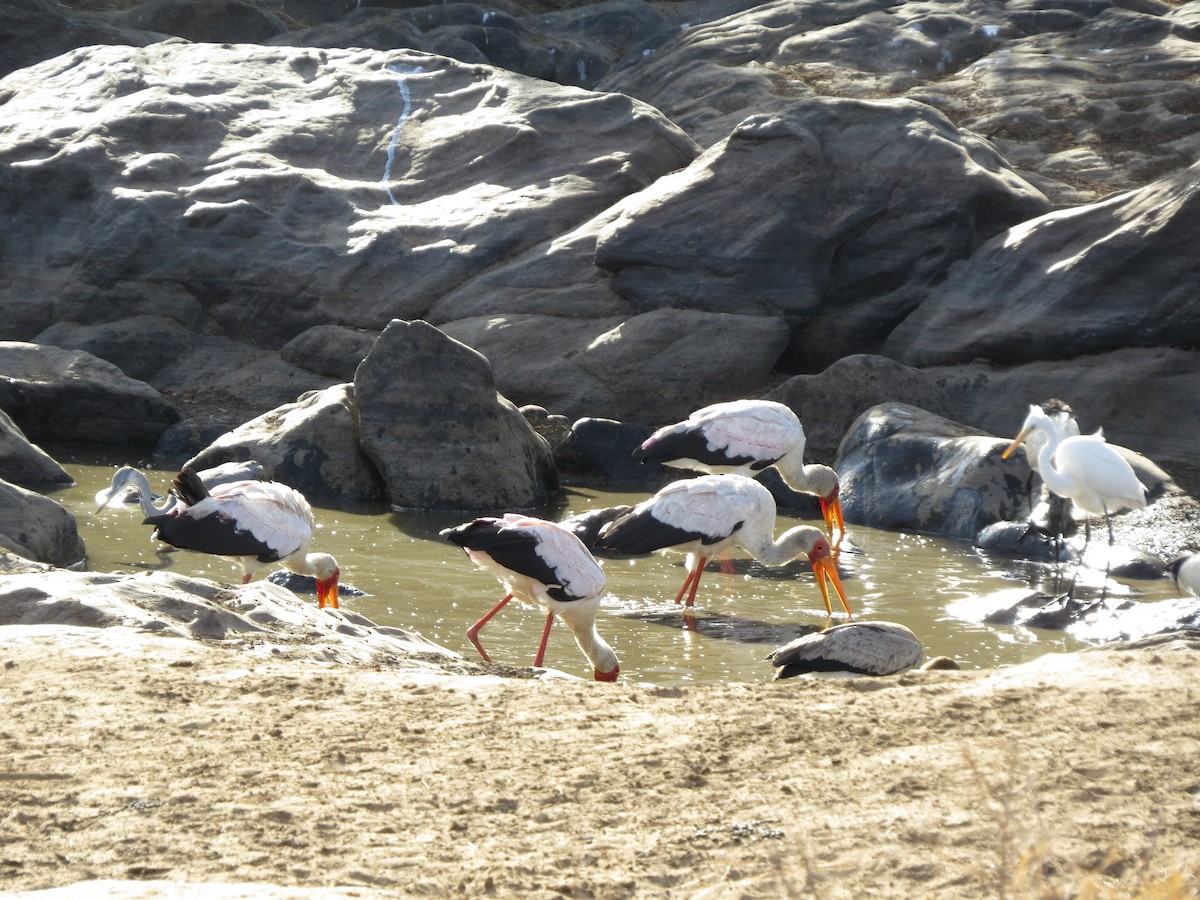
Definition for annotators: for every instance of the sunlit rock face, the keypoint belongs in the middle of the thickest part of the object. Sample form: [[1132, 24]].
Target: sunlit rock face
[[1085, 99], [36, 528], [70, 396], [903, 468], [863, 207], [199, 610], [432, 422], [310, 444], [1062, 285], [367, 185]]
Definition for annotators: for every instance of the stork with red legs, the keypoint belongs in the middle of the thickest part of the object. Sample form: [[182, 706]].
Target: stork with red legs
[[703, 516], [543, 564], [252, 523], [745, 437]]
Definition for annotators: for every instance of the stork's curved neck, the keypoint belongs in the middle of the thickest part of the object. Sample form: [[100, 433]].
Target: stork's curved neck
[[814, 479], [602, 657], [780, 551]]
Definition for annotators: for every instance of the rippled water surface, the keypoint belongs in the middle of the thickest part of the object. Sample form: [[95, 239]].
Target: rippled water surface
[[415, 579]]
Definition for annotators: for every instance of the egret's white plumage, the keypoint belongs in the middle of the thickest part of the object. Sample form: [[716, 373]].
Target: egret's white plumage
[[543, 564], [869, 648], [1084, 469], [1060, 424], [705, 515], [745, 437], [252, 523]]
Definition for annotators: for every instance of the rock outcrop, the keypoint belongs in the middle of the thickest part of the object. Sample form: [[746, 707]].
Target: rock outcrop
[[310, 445], [64, 396], [432, 422], [26, 464], [37, 528]]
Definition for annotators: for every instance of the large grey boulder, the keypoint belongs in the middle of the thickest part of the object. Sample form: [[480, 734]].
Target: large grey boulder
[[651, 368], [1086, 280], [309, 444], [237, 381], [34, 30], [332, 350], [371, 27], [134, 194], [431, 420], [573, 46], [1086, 98], [26, 464], [905, 469], [70, 396], [143, 346], [829, 402], [37, 528], [855, 232], [214, 21]]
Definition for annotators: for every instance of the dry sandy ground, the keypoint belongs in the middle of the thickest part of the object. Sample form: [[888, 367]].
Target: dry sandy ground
[[163, 767]]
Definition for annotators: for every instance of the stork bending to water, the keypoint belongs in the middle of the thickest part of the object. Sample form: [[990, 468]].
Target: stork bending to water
[[542, 564], [252, 523], [702, 516], [745, 437]]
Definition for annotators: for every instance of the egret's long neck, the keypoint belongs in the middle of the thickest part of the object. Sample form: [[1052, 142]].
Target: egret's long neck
[[1056, 481], [782, 550]]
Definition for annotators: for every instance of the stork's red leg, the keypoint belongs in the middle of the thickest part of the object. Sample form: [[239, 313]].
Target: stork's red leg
[[473, 631], [691, 600], [541, 653], [727, 563], [692, 582], [687, 582]]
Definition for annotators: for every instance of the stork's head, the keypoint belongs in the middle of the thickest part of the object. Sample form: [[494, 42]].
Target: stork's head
[[820, 556], [325, 571]]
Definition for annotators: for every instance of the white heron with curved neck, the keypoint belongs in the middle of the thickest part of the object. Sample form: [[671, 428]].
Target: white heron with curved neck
[[251, 523], [703, 516], [1084, 469], [745, 437]]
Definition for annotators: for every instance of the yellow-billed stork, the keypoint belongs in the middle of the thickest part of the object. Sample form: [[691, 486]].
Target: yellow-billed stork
[[252, 523], [543, 564], [703, 516], [744, 437]]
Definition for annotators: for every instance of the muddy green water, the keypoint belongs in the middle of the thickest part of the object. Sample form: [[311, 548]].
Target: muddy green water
[[414, 579]]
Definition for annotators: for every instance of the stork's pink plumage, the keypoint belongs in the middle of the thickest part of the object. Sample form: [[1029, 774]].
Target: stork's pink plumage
[[543, 564], [702, 516], [253, 523], [745, 437]]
